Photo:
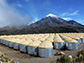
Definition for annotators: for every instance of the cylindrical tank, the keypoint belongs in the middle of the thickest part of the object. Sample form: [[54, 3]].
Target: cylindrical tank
[[7, 43], [31, 50], [4, 42], [78, 41], [23, 48], [23, 45], [58, 45], [45, 49], [72, 45], [16, 46], [0, 41], [11, 44], [32, 47], [76, 38], [58, 42], [82, 40]]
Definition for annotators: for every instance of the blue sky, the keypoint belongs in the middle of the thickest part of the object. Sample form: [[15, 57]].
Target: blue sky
[[34, 10]]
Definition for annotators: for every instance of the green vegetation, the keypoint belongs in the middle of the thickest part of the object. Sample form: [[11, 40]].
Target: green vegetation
[[64, 59], [4, 58], [77, 59]]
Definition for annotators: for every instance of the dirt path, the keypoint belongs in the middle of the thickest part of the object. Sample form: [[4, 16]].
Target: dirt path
[[26, 58]]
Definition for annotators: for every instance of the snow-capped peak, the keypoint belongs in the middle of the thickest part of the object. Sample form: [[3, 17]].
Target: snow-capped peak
[[51, 15]]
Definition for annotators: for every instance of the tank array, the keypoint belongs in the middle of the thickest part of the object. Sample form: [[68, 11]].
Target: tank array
[[42, 44]]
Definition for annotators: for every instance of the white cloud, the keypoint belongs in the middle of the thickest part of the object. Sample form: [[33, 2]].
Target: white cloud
[[64, 14], [10, 16], [75, 13], [67, 18], [19, 5], [70, 14]]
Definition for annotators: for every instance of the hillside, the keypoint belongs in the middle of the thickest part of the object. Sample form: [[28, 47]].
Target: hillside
[[49, 24], [58, 24], [53, 20]]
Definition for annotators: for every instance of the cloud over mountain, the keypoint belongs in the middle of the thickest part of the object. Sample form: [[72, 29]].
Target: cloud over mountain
[[70, 14], [10, 16]]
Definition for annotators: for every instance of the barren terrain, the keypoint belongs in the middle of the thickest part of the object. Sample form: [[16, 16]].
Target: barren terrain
[[19, 57]]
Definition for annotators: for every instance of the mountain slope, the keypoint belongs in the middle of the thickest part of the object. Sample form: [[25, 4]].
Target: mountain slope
[[49, 24], [52, 20], [55, 21]]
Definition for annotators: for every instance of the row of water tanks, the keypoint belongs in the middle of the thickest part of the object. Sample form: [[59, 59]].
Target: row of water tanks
[[44, 45]]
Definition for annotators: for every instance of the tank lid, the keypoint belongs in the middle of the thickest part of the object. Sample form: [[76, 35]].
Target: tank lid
[[46, 45], [58, 39], [34, 43]]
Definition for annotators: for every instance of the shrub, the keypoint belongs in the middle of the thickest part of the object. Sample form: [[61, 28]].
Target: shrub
[[12, 62], [4, 58], [64, 59], [75, 59], [80, 52], [58, 59], [80, 57]]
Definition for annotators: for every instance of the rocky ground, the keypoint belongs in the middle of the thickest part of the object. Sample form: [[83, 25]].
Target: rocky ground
[[19, 57]]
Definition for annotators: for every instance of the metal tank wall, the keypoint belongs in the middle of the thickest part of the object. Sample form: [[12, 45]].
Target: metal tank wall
[[31, 50], [11, 44], [4, 42], [72, 46], [66, 44], [78, 41], [45, 52], [58, 45], [23, 48], [7, 43], [82, 40], [1, 41], [16, 46]]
